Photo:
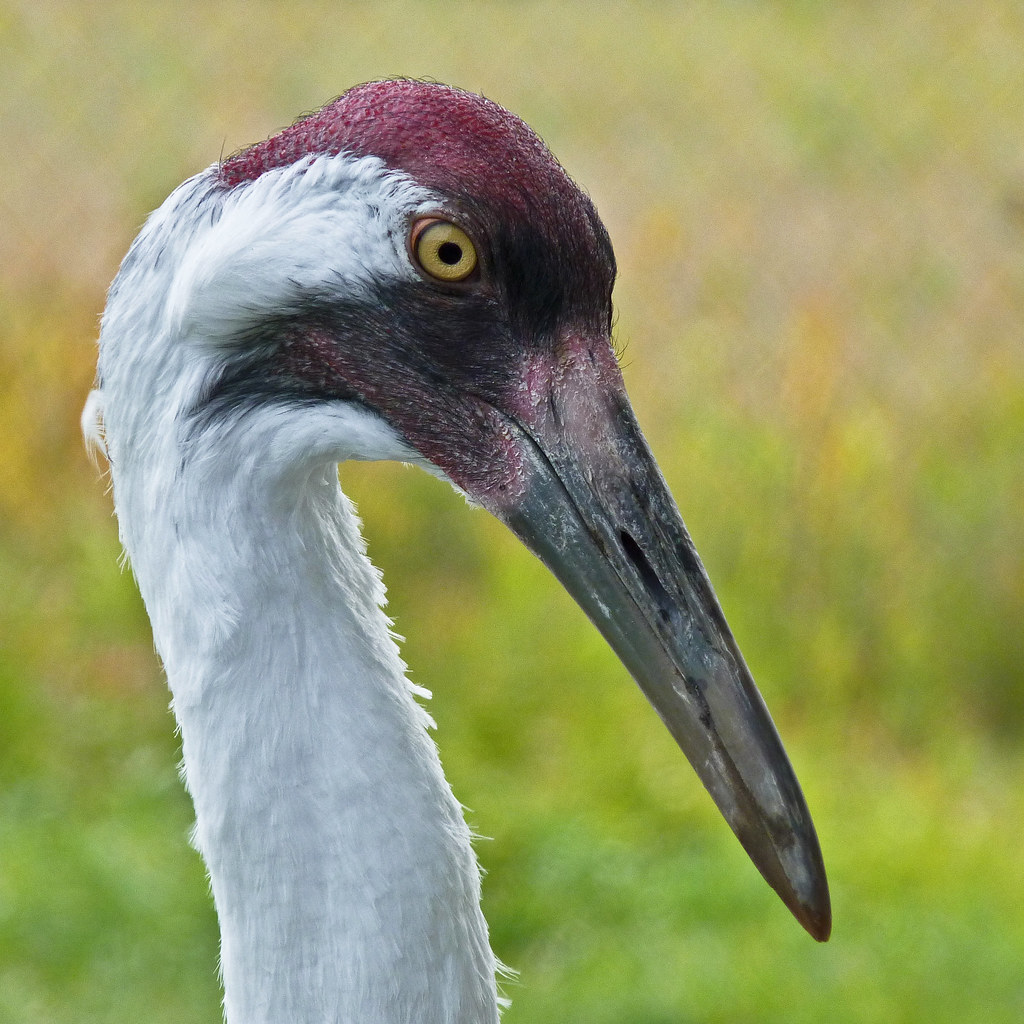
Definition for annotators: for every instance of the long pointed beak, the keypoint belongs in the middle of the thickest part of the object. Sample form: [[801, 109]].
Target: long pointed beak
[[595, 509]]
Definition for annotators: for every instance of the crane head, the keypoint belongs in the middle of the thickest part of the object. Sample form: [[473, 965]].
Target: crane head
[[417, 252]]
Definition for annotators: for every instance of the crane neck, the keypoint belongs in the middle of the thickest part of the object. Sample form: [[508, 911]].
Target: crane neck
[[340, 863]]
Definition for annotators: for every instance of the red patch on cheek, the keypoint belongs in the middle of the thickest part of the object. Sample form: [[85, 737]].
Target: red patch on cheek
[[314, 358], [487, 461], [476, 446]]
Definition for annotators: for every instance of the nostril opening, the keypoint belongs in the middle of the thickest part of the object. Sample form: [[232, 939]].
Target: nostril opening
[[650, 579]]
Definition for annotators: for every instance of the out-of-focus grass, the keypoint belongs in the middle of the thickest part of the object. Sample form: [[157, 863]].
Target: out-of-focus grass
[[818, 217]]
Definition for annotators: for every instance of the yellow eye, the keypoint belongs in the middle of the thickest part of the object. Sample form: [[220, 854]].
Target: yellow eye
[[443, 250]]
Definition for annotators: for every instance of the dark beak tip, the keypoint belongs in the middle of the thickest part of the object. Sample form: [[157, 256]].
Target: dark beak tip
[[817, 921], [813, 912], [798, 878]]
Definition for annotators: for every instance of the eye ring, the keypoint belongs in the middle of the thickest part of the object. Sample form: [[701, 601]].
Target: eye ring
[[442, 250]]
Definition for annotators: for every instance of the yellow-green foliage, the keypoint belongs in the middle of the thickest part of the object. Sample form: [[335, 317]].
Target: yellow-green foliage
[[819, 216]]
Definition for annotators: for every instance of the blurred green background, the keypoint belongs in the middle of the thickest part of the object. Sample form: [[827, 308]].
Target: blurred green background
[[819, 217]]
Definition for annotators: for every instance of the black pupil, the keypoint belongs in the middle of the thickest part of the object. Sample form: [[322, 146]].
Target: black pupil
[[449, 253]]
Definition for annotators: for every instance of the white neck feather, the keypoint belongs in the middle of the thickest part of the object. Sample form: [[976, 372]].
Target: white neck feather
[[342, 871], [341, 866]]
